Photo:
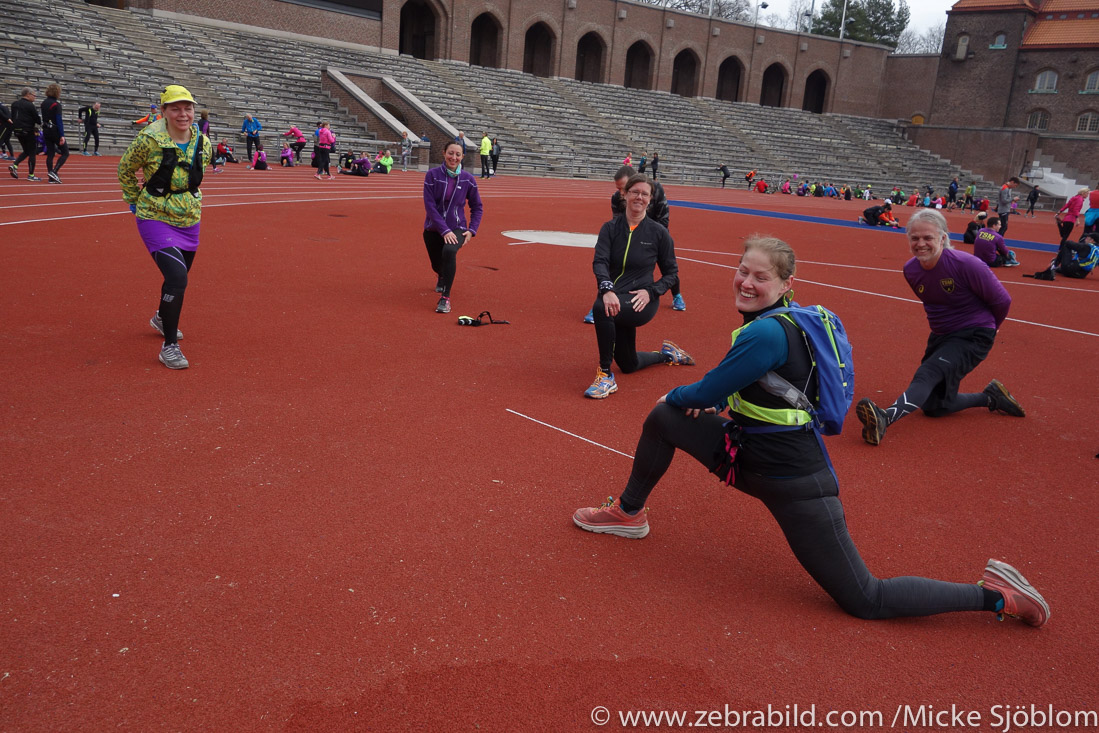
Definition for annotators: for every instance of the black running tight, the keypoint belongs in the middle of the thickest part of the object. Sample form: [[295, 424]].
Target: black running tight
[[444, 258], [174, 264], [617, 335], [810, 515]]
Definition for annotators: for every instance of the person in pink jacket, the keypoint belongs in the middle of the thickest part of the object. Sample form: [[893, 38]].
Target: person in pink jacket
[[299, 142], [326, 142], [1069, 213]]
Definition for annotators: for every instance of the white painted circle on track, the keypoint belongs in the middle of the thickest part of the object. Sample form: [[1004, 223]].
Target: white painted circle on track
[[561, 239]]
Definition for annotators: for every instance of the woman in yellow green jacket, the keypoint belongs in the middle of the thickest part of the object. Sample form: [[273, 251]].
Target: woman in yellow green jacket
[[172, 156]]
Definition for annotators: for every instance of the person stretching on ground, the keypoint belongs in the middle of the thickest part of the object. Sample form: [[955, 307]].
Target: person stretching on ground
[[965, 305], [989, 246], [447, 189], [788, 470], [875, 216], [627, 249]]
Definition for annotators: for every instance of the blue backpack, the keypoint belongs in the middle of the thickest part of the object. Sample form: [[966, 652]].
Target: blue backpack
[[832, 361]]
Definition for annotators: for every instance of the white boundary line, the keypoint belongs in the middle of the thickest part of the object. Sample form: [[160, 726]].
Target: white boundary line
[[566, 432], [894, 297]]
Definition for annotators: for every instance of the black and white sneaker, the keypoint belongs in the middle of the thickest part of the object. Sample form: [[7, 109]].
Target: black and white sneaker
[[443, 306], [54, 178], [14, 172], [874, 421]]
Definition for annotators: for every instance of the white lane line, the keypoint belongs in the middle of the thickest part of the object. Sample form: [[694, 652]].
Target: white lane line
[[566, 432], [894, 297]]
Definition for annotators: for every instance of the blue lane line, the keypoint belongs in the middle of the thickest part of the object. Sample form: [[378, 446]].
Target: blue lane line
[[1018, 243]]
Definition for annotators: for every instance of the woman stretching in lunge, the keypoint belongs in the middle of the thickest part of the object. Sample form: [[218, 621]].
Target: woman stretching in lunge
[[787, 469]]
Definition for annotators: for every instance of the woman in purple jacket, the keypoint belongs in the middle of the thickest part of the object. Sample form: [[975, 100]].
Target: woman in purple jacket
[[447, 189]]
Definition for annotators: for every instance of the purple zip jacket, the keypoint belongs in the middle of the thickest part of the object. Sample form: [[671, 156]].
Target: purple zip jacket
[[445, 199]]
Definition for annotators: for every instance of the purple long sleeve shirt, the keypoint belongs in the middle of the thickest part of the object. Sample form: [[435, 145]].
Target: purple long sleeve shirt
[[958, 292], [988, 244]]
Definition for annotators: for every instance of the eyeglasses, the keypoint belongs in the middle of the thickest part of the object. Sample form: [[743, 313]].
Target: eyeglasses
[[639, 194]]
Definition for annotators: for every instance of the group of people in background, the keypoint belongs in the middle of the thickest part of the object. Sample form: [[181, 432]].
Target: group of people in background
[[26, 124]]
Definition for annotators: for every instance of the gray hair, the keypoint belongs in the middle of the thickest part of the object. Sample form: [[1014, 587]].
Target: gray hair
[[932, 217], [26, 91]]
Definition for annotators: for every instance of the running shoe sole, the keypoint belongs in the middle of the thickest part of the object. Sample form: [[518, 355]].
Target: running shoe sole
[[1012, 577], [868, 414], [632, 533], [174, 365]]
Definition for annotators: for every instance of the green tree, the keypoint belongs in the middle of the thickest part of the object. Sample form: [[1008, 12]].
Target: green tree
[[872, 21]]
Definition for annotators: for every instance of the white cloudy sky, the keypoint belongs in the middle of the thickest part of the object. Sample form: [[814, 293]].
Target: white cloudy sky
[[925, 13]]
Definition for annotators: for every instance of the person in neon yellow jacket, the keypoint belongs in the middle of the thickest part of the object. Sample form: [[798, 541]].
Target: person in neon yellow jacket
[[486, 151]]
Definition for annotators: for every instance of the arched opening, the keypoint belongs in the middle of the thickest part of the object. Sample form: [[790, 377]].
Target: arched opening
[[816, 92], [484, 41], [397, 114], [538, 50], [728, 79], [774, 86], [589, 57], [639, 66], [685, 73], [417, 30]]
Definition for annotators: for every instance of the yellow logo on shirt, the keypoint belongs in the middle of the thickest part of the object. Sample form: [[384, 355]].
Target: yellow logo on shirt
[[947, 284]]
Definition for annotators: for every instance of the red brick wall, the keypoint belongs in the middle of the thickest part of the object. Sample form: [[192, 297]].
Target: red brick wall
[[996, 155], [907, 86], [855, 81]]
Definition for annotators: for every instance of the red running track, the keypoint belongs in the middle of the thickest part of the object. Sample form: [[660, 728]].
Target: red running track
[[336, 519]]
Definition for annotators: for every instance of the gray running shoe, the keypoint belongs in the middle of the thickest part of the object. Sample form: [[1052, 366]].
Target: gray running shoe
[[158, 324], [54, 178], [33, 178], [443, 306], [172, 357], [14, 172]]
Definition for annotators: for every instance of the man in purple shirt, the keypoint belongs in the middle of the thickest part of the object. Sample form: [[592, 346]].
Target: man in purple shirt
[[965, 304], [988, 246]]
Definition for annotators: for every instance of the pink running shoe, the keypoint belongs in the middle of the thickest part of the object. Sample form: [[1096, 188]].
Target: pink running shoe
[[610, 519], [1021, 600]]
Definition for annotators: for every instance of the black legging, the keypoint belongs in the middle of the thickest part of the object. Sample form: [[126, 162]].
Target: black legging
[[1003, 224], [297, 147], [1064, 262], [5, 140], [617, 336], [29, 144], [444, 258], [485, 170], [323, 160], [1064, 229], [91, 132], [249, 142], [54, 146], [947, 359], [810, 515], [174, 264]]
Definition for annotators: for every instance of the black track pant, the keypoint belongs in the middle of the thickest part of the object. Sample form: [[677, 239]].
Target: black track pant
[[297, 147], [54, 146], [1003, 224], [323, 161], [5, 140], [617, 336], [250, 142], [444, 258], [174, 264], [1064, 230], [90, 133], [1064, 262], [946, 361], [810, 515], [30, 149]]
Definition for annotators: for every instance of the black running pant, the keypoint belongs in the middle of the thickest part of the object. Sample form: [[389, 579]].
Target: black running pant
[[324, 157], [485, 170], [617, 335], [91, 131], [29, 144], [1064, 229], [1030, 207], [1003, 224], [53, 147], [1064, 261], [444, 257], [5, 140], [810, 515], [174, 264], [947, 359], [249, 142], [297, 147]]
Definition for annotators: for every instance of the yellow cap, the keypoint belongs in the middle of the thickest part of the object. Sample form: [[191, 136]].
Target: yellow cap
[[175, 93]]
